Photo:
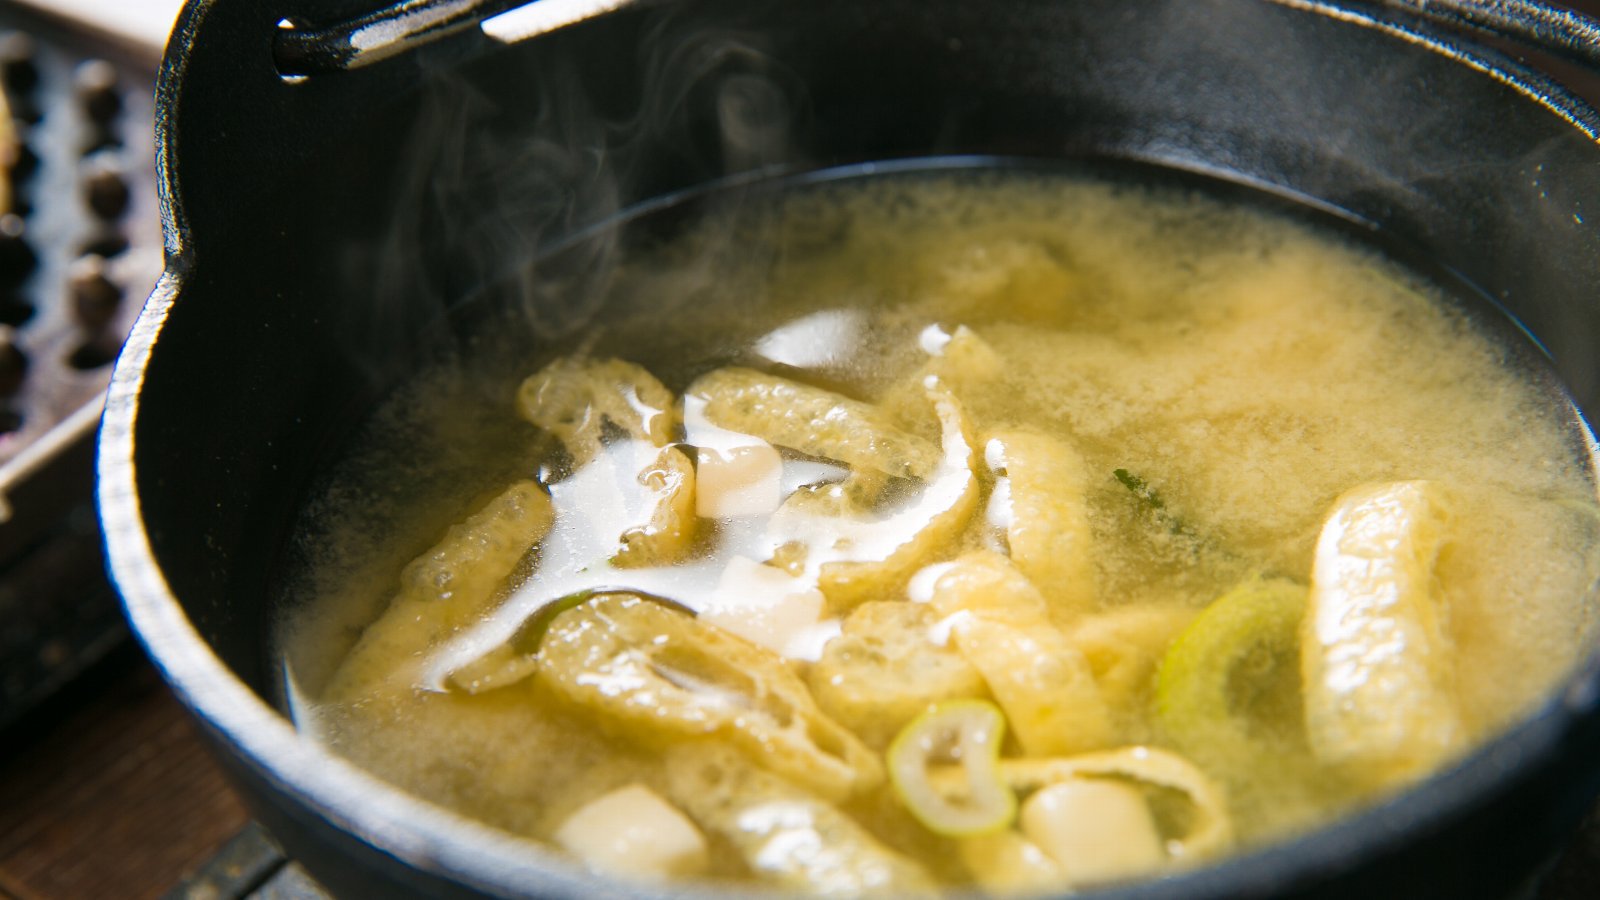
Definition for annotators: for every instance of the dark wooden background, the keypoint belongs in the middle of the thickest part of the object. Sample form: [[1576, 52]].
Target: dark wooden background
[[109, 793]]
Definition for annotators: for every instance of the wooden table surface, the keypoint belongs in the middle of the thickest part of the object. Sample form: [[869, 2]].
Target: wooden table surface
[[106, 791], [109, 792]]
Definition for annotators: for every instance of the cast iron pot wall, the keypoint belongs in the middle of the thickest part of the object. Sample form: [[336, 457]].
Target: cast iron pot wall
[[307, 250]]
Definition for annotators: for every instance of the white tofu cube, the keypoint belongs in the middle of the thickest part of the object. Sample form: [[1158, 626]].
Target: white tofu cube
[[1096, 830], [766, 605], [738, 481], [736, 474], [633, 833]]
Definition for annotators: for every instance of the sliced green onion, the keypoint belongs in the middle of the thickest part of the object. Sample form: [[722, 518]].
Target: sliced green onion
[[517, 659], [1244, 645], [965, 736], [531, 634]]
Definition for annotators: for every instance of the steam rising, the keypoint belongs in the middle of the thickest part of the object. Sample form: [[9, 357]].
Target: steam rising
[[510, 197]]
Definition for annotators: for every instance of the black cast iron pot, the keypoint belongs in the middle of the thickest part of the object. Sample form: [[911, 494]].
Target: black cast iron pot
[[333, 178]]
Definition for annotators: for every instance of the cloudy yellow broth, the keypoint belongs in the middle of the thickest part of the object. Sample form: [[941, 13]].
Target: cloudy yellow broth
[[1222, 379]]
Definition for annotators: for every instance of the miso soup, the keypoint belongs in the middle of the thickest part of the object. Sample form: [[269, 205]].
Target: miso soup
[[1002, 531]]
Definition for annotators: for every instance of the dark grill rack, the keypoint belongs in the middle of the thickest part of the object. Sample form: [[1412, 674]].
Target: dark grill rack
[[80, 247]]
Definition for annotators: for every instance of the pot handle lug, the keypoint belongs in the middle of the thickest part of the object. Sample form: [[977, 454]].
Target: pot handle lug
[[1537, 26], [303, 52]]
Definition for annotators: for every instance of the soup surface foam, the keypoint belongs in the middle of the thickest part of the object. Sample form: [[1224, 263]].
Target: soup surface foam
[[872, 533]]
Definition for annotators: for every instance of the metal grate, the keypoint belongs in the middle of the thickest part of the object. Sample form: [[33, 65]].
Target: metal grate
[[249, 867], [80, 247]]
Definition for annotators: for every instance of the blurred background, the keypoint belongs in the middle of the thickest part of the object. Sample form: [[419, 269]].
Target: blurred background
[[105, 788]]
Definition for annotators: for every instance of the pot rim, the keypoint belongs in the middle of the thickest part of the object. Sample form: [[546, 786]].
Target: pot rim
[[433, 839]]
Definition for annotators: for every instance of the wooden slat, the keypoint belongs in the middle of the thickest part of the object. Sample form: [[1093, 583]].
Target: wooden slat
[[290, 883], [240, 869], [119, 799]]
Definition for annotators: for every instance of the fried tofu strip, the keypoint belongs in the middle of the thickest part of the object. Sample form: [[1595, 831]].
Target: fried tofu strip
[[1007, 864], [813, 421], [787, 836], [669, 529], [883, 670], [1125, 646], [961, 361], [656, 672], [861, 555], [1379, 694], [611, 412], [576, 398], [444, 590], [998, 620], [1045, 514]]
